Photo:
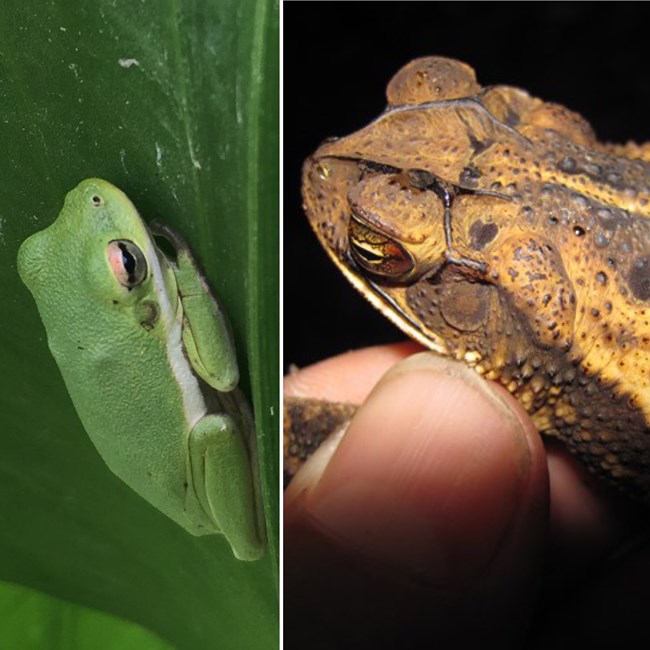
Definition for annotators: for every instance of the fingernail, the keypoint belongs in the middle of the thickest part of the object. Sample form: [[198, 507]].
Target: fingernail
[[428, 476]]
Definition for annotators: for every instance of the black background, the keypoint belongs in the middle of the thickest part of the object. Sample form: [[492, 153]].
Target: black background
[[339, 56]]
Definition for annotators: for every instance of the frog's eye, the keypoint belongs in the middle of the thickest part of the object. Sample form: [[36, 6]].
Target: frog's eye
[[378, 253], [127, 262]]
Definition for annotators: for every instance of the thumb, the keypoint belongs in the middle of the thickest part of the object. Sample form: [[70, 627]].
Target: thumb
[[440, 482]]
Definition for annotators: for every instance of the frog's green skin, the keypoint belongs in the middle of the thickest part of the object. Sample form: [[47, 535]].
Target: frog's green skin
[[149, 363]]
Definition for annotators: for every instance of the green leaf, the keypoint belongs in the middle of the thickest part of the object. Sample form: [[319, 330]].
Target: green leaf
[[33, 621], [176, 104]]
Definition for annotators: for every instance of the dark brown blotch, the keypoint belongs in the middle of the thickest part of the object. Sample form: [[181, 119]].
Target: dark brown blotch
[[481, 234], [639, 278]]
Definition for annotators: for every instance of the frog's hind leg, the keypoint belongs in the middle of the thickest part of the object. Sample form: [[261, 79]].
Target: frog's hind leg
[[224, 484]]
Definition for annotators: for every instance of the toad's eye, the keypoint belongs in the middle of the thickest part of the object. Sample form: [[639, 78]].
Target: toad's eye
[[378, 253], [127, 263]]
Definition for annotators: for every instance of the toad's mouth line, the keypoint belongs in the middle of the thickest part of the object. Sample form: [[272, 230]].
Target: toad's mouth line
[[379, 299]]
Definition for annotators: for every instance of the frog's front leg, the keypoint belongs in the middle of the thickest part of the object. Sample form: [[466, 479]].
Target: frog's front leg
[[206, 334], [223, 483]]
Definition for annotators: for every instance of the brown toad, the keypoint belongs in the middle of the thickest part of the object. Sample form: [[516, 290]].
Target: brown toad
[[494, 228]]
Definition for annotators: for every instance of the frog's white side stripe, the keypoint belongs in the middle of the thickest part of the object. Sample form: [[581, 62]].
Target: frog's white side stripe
[[194, 406]]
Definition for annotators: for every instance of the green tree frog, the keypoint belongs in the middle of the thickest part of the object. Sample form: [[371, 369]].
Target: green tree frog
[[148, 359]]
